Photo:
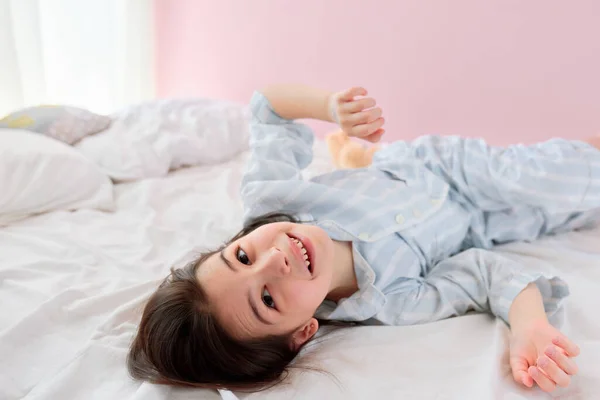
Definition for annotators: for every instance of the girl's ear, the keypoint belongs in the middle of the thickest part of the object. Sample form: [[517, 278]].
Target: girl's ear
[[304, 333]]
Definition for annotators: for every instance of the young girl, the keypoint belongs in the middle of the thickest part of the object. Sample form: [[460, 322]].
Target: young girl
[[404, 241]]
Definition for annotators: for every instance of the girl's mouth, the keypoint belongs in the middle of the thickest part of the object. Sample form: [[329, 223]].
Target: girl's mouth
[[304, 250]]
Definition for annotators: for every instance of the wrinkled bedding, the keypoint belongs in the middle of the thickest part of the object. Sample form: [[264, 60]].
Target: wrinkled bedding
[[72, 286]]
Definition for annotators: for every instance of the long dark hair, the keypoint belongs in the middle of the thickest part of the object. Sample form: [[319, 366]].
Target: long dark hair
[[180, 342]]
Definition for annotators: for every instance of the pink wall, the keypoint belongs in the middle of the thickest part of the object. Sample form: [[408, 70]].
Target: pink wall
[[509, 71]]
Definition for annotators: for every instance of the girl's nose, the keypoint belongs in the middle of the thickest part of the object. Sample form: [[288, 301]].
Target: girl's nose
[[277, 263]]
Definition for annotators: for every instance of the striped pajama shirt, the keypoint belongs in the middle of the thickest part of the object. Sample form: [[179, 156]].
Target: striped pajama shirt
[[424, 216]]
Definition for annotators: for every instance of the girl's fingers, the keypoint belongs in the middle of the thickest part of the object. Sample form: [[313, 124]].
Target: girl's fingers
[[567, 345], [364, 117], [355, 106], [375, 136], [519, 368], [364, 130], [351, 93], [566, 364], [545, 383], [553, 371], [357, 117], [527, 379]]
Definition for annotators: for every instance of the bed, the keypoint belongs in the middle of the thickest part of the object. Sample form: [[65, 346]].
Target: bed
[[73, 284]]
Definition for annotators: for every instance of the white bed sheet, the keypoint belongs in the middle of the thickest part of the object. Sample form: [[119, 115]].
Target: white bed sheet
[[72, 286]]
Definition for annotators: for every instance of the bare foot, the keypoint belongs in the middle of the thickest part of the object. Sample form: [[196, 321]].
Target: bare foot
[[354, 155], [336, 142]]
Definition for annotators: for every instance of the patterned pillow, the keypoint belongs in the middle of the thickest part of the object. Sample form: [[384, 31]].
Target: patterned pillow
[[64, 123]]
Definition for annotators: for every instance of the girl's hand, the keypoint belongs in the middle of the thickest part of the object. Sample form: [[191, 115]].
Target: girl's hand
[[541, 354], [358, 117]]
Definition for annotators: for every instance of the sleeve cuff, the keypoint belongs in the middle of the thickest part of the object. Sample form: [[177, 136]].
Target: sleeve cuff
[[552, 288], [263, 112]]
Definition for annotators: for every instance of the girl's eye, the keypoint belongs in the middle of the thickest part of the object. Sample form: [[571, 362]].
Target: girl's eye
[[267, 299], [242, 256]]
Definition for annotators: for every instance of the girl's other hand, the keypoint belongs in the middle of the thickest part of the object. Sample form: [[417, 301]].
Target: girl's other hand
[[356, 114], [541, 354]]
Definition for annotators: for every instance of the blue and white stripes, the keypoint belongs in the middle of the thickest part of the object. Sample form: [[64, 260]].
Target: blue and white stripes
[[423, 217]]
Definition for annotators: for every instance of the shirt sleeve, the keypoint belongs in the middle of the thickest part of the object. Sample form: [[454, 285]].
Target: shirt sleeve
[[279, 148], [478, 280], [558, 175]]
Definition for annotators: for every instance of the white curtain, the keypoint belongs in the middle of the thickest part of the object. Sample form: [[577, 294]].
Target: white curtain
[[95, 54]]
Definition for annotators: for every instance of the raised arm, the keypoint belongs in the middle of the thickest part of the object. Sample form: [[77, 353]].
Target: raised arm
[[281, 148]]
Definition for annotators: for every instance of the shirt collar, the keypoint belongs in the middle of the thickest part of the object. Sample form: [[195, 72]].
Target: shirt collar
[[364, 303]]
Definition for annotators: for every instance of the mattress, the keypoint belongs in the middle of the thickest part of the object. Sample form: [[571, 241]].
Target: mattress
[[73, 284]]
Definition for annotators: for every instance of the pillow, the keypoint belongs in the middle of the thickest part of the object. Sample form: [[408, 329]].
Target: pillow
[[67, 124], [40, 174], [150, 139]]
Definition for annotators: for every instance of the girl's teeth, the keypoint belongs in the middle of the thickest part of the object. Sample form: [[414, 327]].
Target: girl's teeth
[[304, 253], [300, 246]]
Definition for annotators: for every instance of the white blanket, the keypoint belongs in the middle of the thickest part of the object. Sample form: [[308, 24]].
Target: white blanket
[[72, 285]]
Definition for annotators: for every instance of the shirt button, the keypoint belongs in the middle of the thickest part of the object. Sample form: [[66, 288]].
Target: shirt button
[[400, 219], [416, 212], [363, 236]]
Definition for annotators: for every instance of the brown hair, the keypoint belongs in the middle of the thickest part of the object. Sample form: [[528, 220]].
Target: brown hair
[[180, 342]]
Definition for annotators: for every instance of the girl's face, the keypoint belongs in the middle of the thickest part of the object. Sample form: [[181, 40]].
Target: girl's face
[[271, 281]]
